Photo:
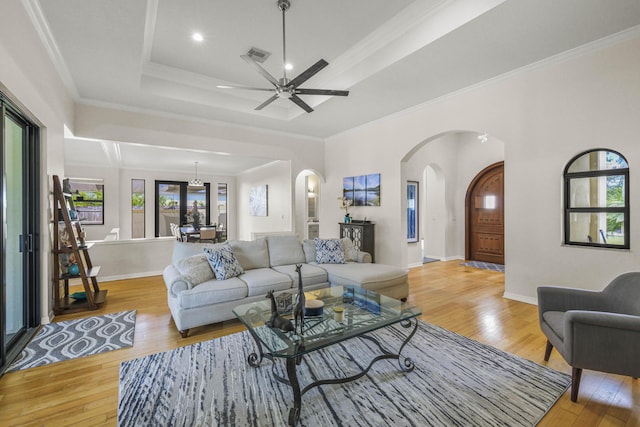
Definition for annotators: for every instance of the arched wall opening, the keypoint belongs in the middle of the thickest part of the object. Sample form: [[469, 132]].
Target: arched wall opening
[[444, 165]]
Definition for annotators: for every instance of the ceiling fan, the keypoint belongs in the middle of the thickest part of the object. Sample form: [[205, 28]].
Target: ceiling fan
[[285, 88]]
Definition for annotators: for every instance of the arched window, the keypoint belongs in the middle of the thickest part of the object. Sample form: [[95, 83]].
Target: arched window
[[596, 200]]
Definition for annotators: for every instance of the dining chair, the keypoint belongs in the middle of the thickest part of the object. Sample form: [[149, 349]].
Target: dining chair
[[208, 235]]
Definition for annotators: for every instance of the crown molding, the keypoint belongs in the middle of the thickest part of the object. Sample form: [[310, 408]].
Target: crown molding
[[32, 7]]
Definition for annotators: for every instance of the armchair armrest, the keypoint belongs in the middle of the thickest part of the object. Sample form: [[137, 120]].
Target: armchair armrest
[[603, 341], [552, 298], [603, 320]]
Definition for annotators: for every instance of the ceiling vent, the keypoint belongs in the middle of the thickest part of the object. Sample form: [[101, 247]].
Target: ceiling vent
[[258, 55]]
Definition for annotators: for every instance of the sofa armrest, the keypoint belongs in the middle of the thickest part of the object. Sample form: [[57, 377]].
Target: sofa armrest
[[364, 257], [174, 281]]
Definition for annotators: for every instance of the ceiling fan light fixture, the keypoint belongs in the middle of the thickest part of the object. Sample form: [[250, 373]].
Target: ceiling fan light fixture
[[285, 87]]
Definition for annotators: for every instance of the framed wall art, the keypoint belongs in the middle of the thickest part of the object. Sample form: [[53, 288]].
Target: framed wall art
[[258, 200], [412, 211], [362, 190]]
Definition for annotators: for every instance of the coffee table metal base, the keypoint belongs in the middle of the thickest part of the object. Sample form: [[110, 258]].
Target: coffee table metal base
[[405, 364]]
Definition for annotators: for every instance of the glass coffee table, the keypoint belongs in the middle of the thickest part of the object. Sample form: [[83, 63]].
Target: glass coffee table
[[348, 312]]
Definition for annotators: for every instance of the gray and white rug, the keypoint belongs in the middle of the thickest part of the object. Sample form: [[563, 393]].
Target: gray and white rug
[[71, 339], [456, 382]]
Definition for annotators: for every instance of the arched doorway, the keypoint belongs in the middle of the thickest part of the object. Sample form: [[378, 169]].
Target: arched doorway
[[307, 204], [484, 223]]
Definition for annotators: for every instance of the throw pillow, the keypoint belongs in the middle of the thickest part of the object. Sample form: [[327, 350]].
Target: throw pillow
[[329, 251], [195, 269], [350, 251], [223, 262]]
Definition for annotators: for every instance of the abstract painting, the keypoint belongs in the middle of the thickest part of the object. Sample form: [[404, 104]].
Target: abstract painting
[[258, 199]]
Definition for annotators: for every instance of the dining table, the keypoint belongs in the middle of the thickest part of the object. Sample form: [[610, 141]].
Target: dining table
[[193, 233]]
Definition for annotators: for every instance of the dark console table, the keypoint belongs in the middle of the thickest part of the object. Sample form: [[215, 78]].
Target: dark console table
[[362, 234]]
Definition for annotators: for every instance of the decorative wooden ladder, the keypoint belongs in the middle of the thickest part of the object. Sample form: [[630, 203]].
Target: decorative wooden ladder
[[74, 244]]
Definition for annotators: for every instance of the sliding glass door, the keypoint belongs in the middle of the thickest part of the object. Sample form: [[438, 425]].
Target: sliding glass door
[[174, 199], [19, 163]]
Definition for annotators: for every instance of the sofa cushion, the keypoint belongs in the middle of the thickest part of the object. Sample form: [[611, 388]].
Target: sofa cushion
[[285, 250], [195, 269], [311, 274], [251, 254], [224, 263], [555, 320], [259, 281], [213, 292], [367, 276], [329, 251], [309, 249]]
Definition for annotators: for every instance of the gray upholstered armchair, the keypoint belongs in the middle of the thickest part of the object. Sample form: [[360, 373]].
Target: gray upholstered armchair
[[594, 330]]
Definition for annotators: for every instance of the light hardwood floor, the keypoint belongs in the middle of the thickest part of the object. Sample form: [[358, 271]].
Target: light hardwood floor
[[465, 300]]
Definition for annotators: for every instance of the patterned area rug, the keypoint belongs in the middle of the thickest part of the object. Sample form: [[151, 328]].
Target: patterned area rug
[[456, 381], [78, 338], [484, 265]]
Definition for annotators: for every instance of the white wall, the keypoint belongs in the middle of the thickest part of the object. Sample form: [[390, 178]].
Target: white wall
[[126, 259], [544, 115], [277, 176]]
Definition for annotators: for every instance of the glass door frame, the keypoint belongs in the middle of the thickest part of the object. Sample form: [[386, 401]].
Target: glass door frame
[[183, 203], [30, 233]]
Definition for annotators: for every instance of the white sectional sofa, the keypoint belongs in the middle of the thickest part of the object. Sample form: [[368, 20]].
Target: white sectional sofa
[[197, 298]]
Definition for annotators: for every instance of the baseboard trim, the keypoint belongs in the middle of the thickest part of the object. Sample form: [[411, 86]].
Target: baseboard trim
[[521, 298], [129, 276]]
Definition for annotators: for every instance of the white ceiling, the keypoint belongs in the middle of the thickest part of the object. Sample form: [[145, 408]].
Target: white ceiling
[[390, 55]]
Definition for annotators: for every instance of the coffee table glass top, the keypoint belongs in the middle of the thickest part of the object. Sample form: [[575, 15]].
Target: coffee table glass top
[[363, 311]]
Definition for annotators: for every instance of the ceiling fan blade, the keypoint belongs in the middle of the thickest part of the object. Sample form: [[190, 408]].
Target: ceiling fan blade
[[322, 92], [245, 88], [300, 103], [260, 70], [267, 102], [308, 73]]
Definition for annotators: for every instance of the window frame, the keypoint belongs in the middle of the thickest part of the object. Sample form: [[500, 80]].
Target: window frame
[[183, 185], [568, 210], [93, 202]]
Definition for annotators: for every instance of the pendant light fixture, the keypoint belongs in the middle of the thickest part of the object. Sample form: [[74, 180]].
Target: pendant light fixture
[[196, 182]]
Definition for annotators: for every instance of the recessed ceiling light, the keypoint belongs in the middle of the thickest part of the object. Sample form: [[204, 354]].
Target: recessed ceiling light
[[197, 37], [288, 66]]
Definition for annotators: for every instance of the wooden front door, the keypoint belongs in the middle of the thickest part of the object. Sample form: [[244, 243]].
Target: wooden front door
[[484, 225]]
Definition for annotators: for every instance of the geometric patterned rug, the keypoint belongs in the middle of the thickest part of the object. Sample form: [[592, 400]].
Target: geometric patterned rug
[[456, 382], [71, 339], [484, 265]]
